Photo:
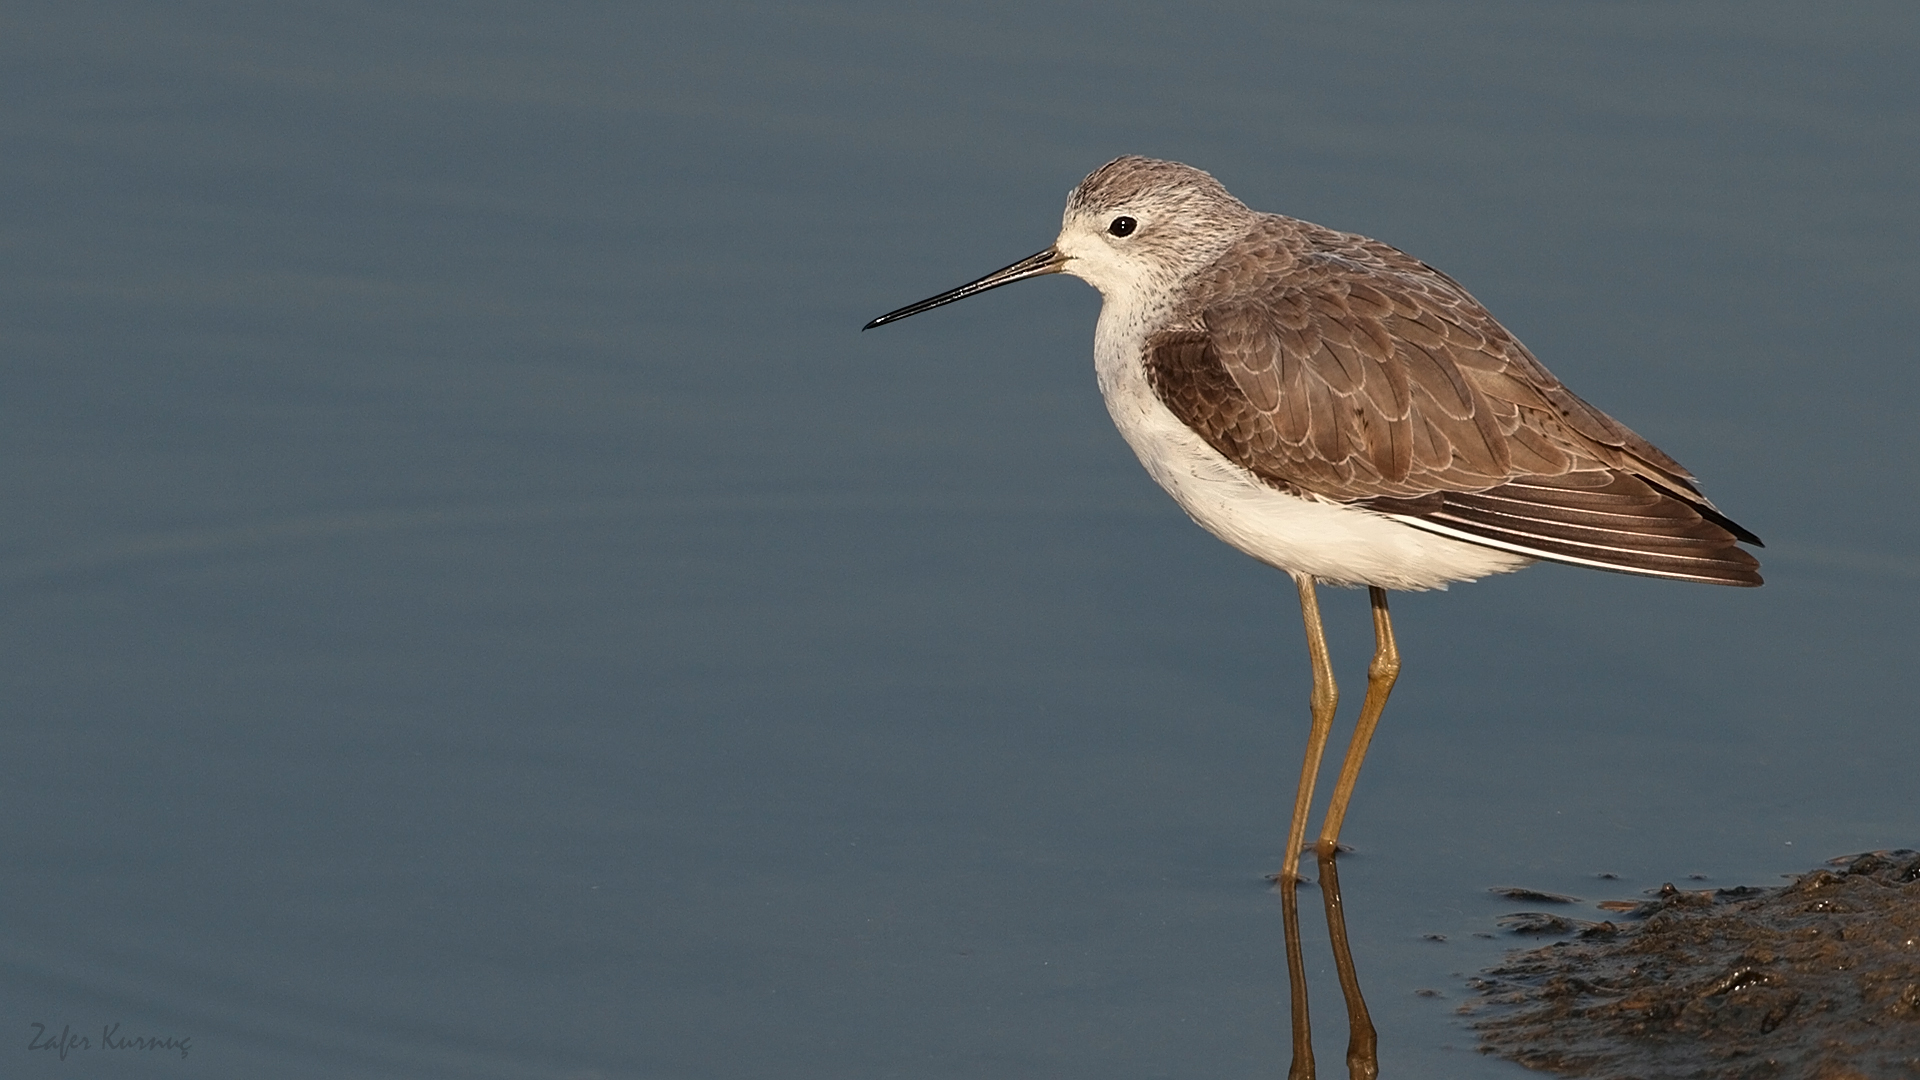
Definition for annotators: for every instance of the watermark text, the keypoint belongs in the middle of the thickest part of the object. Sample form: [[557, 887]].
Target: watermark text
[[70, 1041]]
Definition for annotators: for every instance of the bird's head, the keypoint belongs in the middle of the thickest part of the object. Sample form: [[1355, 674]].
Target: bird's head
[[1138, 224], [1135, 226]]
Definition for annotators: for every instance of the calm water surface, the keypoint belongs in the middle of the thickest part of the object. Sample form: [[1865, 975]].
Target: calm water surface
[[476, 607]]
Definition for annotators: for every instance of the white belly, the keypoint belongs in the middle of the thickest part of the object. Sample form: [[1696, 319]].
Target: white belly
[[1337, 544]]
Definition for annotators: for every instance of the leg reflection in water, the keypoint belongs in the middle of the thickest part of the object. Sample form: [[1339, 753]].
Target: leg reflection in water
[[1363, 1059]]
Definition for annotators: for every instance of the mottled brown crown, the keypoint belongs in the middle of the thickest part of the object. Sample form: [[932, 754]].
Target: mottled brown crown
[[1133, 178]]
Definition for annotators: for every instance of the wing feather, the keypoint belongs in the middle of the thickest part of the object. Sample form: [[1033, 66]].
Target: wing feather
[[1358, 374]]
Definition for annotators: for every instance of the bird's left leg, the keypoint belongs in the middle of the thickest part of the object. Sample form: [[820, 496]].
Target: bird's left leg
[[1380, 678], [1325, 698]]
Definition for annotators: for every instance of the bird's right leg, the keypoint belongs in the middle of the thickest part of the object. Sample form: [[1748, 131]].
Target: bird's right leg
[[1323, 700], [1381, 675]]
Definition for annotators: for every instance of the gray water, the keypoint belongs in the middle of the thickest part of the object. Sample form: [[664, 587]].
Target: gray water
[[475, 606]]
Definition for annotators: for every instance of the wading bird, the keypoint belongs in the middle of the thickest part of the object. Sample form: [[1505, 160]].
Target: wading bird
[[1346, 413]]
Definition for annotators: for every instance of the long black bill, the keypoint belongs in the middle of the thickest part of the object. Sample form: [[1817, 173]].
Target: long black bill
[[1045, 262]]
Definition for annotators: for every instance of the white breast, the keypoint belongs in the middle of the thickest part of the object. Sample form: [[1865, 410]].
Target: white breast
[[1334, 543]]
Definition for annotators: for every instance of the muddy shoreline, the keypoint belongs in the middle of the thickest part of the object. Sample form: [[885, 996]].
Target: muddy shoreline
[[1817, 979]]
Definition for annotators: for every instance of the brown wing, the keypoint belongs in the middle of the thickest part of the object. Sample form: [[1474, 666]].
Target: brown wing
[[1359, 375]]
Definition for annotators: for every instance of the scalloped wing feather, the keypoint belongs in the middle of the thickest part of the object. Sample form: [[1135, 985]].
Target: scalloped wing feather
[[1357, 374]]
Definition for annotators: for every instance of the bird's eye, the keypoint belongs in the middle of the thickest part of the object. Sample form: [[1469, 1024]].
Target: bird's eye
[[1122, 226]]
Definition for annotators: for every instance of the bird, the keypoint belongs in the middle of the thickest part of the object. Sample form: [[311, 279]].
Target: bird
[[1345, 413]]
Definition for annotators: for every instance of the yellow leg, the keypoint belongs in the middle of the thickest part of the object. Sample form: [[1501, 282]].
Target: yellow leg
[[1380, 677], [1323, 700], [1363, 1046]]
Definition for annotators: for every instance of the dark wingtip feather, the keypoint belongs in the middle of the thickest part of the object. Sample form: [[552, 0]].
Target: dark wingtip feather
[[1739, 532], [1626, 525]]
